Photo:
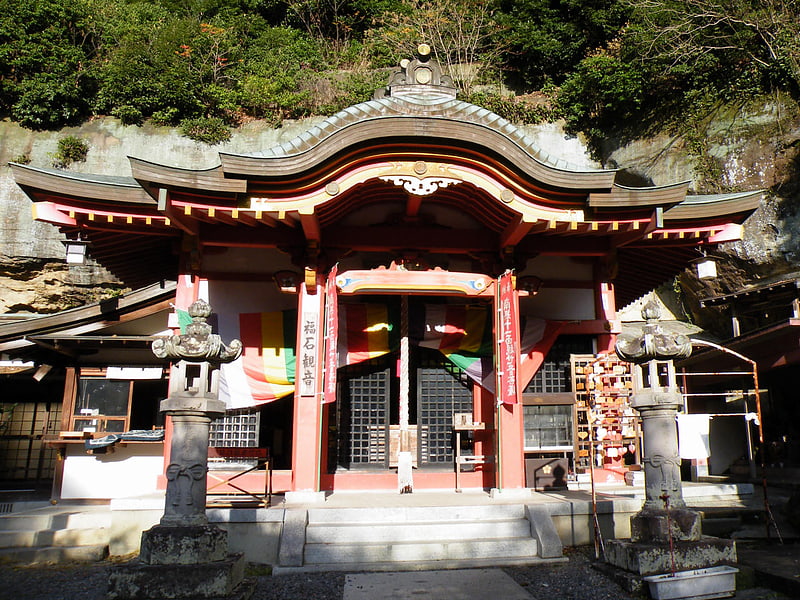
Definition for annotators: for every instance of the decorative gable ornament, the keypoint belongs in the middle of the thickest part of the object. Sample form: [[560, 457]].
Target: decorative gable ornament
[[422, 74]]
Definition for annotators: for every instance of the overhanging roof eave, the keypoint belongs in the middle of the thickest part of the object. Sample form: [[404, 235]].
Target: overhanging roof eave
[[113, 189], [96, 312], [411, 133]]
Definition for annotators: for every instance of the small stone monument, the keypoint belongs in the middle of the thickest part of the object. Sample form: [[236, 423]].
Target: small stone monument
[[665, 535], [184, 556]]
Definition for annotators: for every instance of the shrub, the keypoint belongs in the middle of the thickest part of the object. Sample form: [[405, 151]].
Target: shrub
[[514, 109], [166, 116], [128, 115], [70, 149], [209, 130]]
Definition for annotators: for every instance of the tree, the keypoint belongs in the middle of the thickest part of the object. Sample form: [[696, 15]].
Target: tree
[[461, 33], [546, 39], [46, 48], [604, 95], [746, 38]]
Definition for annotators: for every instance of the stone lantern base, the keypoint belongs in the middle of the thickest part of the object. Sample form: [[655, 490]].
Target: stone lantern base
[[182, 562], [649, 551], [642, 558]]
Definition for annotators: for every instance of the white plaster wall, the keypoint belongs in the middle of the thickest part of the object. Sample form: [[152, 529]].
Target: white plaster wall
[[128, 471]]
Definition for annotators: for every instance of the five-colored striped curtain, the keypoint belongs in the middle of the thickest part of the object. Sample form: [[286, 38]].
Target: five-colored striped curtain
[[366, 331], [463, 333], [266, 369]]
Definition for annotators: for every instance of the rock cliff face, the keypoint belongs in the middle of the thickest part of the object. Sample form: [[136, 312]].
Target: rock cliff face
[[746, 149]]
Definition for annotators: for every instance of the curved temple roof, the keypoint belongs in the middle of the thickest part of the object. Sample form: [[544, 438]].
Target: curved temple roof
[[415, 146]]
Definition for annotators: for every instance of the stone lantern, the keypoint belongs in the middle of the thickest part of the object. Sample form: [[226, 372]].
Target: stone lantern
[[665, 534], [184, 556]]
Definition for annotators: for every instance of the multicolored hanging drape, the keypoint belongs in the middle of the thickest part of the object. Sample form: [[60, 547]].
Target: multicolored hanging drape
[[266, 369], [463, 333], [365, 331]]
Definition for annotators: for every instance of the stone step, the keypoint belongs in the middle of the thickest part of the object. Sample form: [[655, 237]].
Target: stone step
[[54, 537], [48, 519], [416, 514], [721, 526], [52, 554], [416, 532], [368, 553]]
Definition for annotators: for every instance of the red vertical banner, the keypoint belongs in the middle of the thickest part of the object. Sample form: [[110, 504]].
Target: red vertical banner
[[508, 340], [331, 337]]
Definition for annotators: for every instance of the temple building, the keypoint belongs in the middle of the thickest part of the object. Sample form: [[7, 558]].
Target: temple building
[[409, 278]]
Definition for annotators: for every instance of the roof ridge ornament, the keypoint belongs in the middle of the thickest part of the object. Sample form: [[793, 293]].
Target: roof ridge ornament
[[423, 74]]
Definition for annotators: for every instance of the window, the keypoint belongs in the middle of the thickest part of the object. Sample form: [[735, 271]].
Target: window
[[237, 429], [554, 375], [102, 405], [548, 427]]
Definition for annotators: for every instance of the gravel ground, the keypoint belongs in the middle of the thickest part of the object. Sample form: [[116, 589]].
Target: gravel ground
[[576, 580]]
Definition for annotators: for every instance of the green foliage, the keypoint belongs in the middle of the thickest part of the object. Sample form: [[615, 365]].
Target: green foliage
[[620, 64], [515, 109], [603, 95], [209, 130], [277, 65], [45, 50], [128, 115], [70, 149], [168, 116], [22, 159], [547, 39]]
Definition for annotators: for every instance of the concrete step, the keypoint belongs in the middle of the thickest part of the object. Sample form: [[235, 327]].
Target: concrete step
[[43, 519], [453, 535], [55, 534], [416, 514], [416, 532], [55, 554], [476, 563], [54, 537], [417, 552]]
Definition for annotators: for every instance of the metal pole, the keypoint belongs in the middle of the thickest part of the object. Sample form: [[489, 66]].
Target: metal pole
[[754, 365]]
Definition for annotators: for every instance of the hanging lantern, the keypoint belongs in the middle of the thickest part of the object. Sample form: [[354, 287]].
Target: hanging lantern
[[76, 251], [706, 267]]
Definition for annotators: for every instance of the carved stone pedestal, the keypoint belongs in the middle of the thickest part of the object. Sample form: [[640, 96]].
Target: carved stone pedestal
[[649, 553], [646, 558], [182, 562]]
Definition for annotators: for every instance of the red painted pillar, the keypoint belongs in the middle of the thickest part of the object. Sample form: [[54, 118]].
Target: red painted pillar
[[512, 449], [306, 455]]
